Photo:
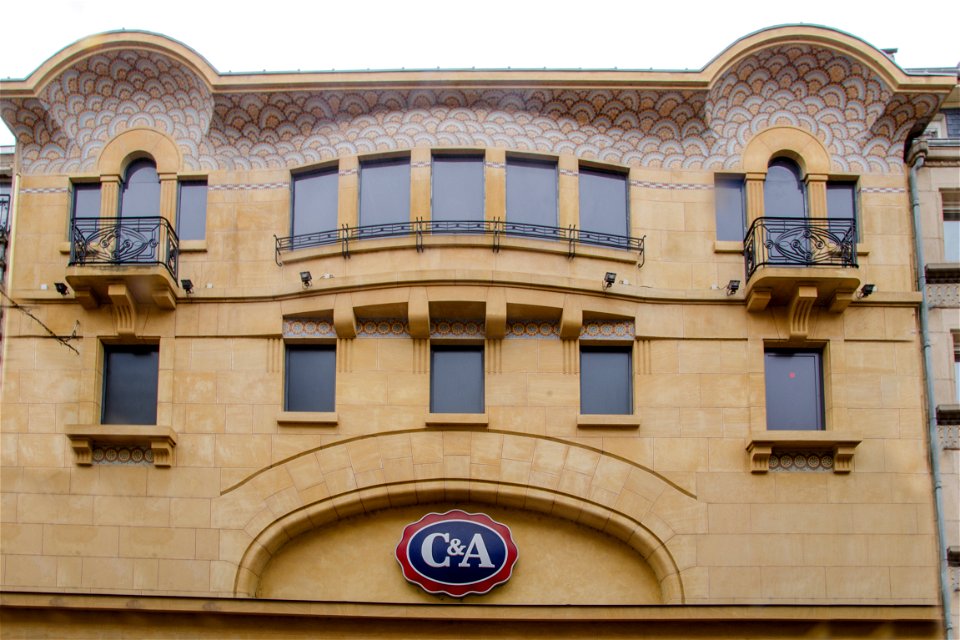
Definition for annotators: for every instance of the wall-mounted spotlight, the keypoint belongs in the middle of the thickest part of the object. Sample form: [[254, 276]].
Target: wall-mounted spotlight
[[866, 290], [609, 279], [732, 287], [61, 288], [187, 284], [306, 279]]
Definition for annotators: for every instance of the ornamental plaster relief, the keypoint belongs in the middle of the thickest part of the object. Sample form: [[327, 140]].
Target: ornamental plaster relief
[[840, 101]]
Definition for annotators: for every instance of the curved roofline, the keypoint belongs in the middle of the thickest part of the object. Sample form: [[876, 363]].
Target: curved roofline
[[109, 41], [828, 37]]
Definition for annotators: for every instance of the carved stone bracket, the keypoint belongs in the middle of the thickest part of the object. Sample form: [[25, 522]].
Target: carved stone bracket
[[161, 440], [124, 309], [840, 445], [799, 311]]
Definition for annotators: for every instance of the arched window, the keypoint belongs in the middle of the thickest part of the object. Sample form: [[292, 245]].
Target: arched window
[[141, 190], [783, 192]]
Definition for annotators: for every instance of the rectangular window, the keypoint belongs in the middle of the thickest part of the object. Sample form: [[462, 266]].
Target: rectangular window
[[4, 205], [842, 202], [456, 379], [794, 389], [457, 190], [86, 200], [606, 380], [952, 116], [729, 194], [603, 202], [314, 201], [311, 377], [532, 192], [385, 191], [130, 374], [951, 225], [192, 210]]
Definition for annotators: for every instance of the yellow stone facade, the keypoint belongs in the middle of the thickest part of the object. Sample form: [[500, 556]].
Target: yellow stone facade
[[238, 517]]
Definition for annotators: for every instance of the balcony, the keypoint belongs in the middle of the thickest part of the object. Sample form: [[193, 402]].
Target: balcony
[[124, 261], [496, 230], [813, 259]]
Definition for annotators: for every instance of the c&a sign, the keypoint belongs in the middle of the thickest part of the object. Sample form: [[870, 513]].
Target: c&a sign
[[457, 553]]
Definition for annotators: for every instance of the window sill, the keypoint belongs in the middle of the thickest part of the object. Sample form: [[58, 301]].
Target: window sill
[[608, 420], [161, 440], [192, 246], [728, 246], [307, 418], [457, 420], [842, 445]]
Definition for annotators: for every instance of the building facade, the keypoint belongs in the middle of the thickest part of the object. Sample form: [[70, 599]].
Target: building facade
[[664, 326]]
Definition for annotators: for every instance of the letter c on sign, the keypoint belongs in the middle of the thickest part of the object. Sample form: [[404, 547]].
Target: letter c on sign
[[426, 550]]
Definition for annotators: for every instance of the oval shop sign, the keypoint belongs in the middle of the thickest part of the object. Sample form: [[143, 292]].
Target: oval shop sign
[[457, 553]]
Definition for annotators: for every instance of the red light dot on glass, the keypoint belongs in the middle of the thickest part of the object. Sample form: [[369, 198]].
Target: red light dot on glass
[[792, 375]]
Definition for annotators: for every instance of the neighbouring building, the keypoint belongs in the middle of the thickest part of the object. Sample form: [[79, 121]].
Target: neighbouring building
[[663, 326]]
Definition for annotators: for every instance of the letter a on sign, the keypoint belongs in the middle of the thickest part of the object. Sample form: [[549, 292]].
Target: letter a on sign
[[457, 553]]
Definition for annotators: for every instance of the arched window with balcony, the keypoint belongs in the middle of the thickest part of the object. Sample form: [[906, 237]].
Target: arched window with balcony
[[140, 196], [784, 195]]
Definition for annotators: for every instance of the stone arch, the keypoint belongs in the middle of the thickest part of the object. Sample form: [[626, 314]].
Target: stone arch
[[578, 483], [792, 142], [139, 143]]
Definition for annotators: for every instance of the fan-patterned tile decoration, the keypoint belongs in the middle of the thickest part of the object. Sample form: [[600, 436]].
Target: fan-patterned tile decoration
[[842, 102]]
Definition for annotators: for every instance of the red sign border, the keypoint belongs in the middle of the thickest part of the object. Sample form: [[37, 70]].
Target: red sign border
[[457, 591]]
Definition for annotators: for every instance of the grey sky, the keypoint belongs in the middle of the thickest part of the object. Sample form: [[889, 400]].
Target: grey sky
[[376, 34]]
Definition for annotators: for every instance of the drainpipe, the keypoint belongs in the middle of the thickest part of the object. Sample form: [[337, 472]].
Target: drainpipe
[[915, 158]]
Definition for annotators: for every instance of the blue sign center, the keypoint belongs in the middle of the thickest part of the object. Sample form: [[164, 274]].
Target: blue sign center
[[456, 552]]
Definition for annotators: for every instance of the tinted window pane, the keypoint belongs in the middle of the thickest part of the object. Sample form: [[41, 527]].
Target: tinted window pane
[[86, 200], [141, 190], [315, 202], [456, 379], [783, 190], [532, 192], [385, 191], [952, 117], [841, 199], [130, 384], [731, 221], [457, 188], [603, 202], [951, 240], [310, 377], [192, 210], [606, 380], [794, 390]]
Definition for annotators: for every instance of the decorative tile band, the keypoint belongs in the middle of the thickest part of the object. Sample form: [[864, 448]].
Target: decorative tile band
[[601, 330], [250, 186], [457, 329], [45, 190], [568, 172], [348, 172], [944, 295], [534, 329], [383, 328], [308, 328], [122, 454], [882, 190], [675, 186], [808, 461], [421, 164], [495, 165]]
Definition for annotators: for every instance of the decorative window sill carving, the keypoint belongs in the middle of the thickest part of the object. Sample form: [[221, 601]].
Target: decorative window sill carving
[[160, 440], [609, 421], [307, 418], [840, 445], [457, 420]]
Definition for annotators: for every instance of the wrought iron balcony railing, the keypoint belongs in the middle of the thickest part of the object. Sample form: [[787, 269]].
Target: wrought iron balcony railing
[[495, 229], [800, 242], [125, 241]]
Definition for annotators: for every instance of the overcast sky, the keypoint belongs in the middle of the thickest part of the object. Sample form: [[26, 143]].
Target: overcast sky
[[242, 35]]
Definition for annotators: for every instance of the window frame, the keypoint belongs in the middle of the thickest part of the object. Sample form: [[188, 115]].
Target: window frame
[[125, 187], [366, 164], [621, 175], [321, 171], [589, 372], [462, 156], [741, 182], [479, 373], [107, 387], [521, 160], [855, 184], [820, 399], [328, 377], [180, 213]]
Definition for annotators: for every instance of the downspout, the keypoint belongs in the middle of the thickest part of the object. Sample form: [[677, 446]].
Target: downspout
[[915, 158]]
